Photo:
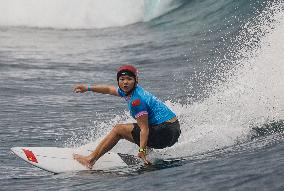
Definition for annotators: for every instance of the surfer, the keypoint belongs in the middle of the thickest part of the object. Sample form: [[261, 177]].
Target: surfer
[[157, 126]]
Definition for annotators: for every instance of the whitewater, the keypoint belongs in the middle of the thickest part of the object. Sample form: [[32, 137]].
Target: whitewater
[[80, 14]]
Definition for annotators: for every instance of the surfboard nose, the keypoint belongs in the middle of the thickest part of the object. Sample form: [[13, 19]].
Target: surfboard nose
[[16, 150]]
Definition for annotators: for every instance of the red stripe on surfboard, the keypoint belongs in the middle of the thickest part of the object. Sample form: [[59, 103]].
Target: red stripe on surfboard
[[30, 155]]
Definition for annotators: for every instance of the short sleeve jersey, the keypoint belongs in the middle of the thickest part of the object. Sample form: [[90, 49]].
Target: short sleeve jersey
[[142, 102]]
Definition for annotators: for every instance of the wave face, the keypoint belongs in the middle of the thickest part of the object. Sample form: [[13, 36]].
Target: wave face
[[225, 57], [78, 14]]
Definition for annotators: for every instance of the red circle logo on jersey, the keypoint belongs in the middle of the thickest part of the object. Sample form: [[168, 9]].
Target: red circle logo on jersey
[[135, 102]]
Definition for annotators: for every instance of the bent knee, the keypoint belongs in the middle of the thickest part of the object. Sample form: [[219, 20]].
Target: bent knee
[[123, 130], [118, 128]]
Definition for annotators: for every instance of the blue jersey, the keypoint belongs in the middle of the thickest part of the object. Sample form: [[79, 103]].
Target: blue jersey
[[142, 102]]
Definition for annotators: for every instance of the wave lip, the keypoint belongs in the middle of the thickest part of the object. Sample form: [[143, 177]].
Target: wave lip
[[156, 8]]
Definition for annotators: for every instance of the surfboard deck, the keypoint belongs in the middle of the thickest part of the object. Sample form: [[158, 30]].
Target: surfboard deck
[[59, 160]]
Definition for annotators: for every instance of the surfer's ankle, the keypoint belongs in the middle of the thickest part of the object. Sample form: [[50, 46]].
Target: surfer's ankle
[[92, 162]]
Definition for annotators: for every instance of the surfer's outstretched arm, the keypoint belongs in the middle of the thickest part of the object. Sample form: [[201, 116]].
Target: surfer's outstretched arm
[[104, 89]]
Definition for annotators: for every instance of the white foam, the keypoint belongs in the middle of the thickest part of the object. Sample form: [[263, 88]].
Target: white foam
[[79, 13], [252, 95], [70, 13]]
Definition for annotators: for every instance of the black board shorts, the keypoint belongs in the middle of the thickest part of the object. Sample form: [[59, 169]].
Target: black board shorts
[[160, 136]]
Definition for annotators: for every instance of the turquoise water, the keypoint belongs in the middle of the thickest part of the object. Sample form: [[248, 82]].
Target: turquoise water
[[217, 64]]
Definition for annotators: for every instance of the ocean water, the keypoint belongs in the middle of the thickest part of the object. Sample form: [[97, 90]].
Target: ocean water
[[217, 64]]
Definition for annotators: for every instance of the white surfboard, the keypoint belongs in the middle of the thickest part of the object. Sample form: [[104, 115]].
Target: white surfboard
[[58, 160]]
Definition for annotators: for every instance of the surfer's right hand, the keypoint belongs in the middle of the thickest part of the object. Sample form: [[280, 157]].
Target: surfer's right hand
[[142, 156], [80, 88]]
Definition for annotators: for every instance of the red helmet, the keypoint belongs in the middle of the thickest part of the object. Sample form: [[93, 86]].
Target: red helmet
[[127, 70]]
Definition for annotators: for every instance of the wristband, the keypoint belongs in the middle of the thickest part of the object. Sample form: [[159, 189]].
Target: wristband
[[89, 88], [142, 150]]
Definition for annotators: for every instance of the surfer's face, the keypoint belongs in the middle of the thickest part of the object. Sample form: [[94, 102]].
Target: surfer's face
[[126, 83]]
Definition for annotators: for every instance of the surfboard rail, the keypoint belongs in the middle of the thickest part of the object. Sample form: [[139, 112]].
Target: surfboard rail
[[58, 160]]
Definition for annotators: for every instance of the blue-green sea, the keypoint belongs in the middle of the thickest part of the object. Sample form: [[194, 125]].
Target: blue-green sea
[[218, 64]]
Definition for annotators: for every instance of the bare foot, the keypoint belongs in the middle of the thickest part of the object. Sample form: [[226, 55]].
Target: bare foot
[[84, 160]]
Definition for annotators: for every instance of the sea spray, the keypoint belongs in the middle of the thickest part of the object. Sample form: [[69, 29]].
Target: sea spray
[[80, 14]]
